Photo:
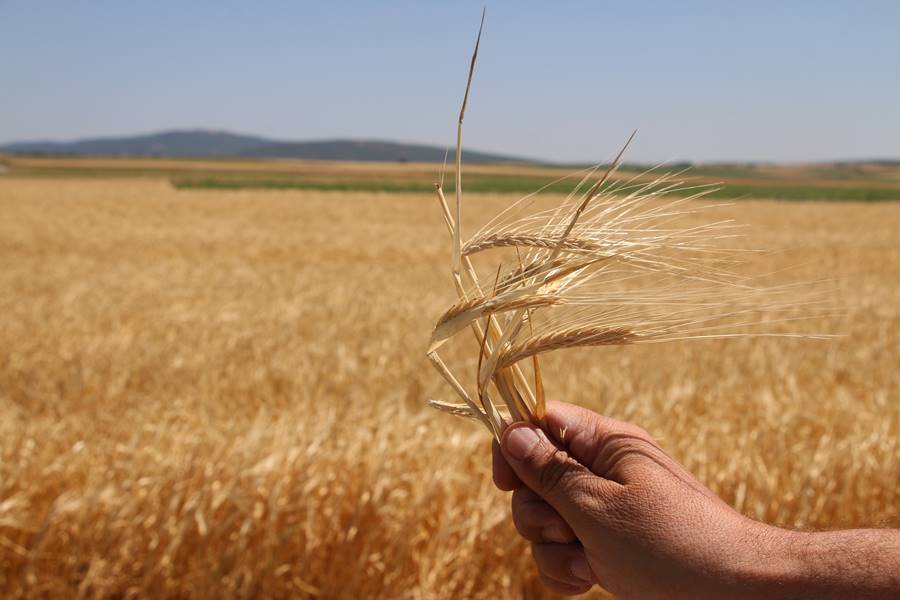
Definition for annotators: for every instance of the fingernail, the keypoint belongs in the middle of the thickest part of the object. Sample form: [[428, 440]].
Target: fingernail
[[555, 533], [582, 570], [520, 442]]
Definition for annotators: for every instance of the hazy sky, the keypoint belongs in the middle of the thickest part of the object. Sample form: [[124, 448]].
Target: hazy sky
[[786, 81]]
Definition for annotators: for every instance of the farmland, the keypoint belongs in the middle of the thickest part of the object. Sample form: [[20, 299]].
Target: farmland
[[860, 182], [212, 379]]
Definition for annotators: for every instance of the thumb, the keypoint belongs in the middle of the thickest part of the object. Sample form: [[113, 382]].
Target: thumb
[[563, 482]]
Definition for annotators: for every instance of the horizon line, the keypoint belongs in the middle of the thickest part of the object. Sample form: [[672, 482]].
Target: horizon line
[[508, 157]]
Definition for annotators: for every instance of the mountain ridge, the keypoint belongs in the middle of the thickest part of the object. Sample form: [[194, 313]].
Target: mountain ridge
[[205, 143]]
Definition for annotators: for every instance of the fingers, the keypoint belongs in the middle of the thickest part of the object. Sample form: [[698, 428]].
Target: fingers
[[594, 440], [591, 438], [504, 477], [537, 521], [567, 485], [564, 564]]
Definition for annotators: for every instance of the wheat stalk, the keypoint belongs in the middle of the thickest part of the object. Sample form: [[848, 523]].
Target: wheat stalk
[[566, 338], [475, 246], [609, 266], [463, 312]]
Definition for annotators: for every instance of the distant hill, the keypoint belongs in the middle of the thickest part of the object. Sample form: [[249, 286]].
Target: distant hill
[[369, 150], [210, 144], [169, 143]]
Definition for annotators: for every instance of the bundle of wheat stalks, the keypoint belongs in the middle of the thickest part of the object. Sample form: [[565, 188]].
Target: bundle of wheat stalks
[[609, 266]]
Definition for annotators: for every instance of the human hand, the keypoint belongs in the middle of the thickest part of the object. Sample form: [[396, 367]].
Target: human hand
[[601, 502]]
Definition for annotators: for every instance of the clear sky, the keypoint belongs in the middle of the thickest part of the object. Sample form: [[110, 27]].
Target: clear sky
[[568, 81]]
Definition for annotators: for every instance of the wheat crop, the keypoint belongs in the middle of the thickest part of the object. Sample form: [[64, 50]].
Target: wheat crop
[[612, 264], [208, 394]]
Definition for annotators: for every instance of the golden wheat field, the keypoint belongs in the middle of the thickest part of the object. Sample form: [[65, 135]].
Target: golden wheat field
[[209, 394]]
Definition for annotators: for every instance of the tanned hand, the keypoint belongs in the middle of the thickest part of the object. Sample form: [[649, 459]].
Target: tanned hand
[[602, 503]]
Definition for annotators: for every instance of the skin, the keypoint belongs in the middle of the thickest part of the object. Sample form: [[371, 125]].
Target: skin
[[602, 503]]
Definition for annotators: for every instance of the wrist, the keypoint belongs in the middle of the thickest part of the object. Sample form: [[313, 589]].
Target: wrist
[[781, 563], [773, 563], [765, 562]]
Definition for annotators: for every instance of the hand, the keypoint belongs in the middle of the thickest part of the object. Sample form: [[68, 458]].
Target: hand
[[602, 503]]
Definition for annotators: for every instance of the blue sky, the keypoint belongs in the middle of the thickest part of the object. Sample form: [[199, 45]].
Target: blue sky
[[568, 81]]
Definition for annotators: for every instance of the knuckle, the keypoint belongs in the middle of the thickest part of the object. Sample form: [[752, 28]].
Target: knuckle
[[524, 516], [554, 472], [519, 499], [519, 505], [635, 431], [538, 522], [524, 531], [524, 521]]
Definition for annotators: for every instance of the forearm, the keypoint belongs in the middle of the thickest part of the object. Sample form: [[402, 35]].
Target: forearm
[[861, 563]]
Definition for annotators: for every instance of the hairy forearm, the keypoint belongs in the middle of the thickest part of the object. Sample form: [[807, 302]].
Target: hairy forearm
[[861, 563]]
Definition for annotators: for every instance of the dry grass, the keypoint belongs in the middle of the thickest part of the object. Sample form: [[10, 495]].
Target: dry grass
[[615, 263], [221, 395]]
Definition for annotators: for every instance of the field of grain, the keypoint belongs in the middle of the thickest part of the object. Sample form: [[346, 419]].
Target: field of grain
[[858, 182], [221, 394]]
